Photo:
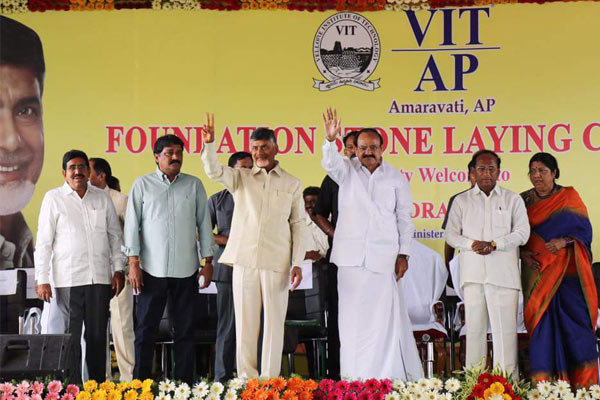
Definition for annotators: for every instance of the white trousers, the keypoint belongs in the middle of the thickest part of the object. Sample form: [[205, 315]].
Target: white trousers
[[499, 306], [255, 289], [376, 338], [121, 324]]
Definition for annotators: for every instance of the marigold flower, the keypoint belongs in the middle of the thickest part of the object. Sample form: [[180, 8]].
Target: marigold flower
[[252, 384], [136, 384], [108, 386], [115, 395], [90, 386], [122, 386], [84, 395], [304, 395], [295, 384], [310, 385], [146, 396], [131, 395], [99, 394]]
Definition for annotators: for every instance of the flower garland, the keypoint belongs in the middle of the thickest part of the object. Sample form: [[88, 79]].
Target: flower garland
[[19, 6], [13, 6]]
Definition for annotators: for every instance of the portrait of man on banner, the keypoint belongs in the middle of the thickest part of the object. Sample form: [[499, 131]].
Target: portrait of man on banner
[[22, 72]]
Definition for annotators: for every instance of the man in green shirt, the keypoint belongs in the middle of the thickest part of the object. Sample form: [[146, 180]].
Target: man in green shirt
[[167, 216]]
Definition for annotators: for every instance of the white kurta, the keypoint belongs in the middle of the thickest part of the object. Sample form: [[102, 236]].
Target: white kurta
[[373, 227]]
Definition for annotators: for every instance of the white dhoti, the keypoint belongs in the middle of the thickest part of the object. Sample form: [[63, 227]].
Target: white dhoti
[[376, 339]]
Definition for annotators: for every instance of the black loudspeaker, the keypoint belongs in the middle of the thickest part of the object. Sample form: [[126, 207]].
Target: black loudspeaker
[[32, 356]]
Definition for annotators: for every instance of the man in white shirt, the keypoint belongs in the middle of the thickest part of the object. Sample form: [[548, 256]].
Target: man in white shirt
[[267, 237], [487, 224], [317, 243], [79, 244], [371, 246], [121, 306]]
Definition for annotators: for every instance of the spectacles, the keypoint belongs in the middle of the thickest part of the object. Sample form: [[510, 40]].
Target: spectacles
[[74, 168], [541, 171], [372, 147], [482, 170]]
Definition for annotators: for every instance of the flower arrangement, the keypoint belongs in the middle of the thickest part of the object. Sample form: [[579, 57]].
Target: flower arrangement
[[471, 384], [49, 390], [481, 384], [133, 390]]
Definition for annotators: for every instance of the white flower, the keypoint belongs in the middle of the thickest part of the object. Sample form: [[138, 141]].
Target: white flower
[[496, 397], [412, 387], [235, 383], [163, 396], [406, 394], [431, 396], [446, 396], [568, 396], [166, 386], [213, 396], [200, 390], [544, 387], [595, 391], [534, 395], [424, 384], [392, 396], [217, 388], [231, 395], [581, 394], [418, 396], [398, 385], [452, 385], [437, 384], [182, 392]]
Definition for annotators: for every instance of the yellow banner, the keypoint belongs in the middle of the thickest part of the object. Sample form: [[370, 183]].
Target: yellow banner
[[438, 85]]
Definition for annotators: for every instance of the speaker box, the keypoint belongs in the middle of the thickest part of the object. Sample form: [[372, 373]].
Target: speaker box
[[32, 356]]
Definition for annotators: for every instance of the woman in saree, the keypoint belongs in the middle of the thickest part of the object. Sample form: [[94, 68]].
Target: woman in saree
[[561, 304]]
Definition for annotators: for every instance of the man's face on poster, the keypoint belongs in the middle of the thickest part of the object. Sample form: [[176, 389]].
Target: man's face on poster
[[21, 136]]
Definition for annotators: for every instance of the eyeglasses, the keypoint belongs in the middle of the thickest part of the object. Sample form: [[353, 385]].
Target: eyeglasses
[[372, 147], [541, 171], [74, 168], [482, 170]]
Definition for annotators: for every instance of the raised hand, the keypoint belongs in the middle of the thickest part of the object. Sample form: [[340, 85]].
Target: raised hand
[[332, 124], [208, 129]]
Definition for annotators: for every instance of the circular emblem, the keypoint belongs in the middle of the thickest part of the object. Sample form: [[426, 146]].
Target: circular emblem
[[346, 46]]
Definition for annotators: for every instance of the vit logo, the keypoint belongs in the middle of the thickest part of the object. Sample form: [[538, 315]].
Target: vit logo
[[346, 50], [465, 62]]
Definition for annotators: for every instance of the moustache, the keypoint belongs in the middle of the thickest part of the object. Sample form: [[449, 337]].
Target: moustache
[[369, 157], [78, 176], [175, 162], [20, 156]]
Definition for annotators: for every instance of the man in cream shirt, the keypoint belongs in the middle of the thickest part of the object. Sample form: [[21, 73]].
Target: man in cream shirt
[[488, 224], [266, 238], [121, 306]]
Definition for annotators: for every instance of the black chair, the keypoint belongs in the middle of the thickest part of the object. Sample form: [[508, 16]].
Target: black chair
[[165, 341], [306, 322], [13, 306]]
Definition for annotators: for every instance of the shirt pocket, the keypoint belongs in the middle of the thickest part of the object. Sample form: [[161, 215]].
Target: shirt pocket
[[98, 219], [385, 197], [501, 221], [281, 203]]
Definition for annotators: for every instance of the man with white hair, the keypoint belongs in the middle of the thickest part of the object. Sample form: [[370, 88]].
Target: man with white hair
[[22, 71]]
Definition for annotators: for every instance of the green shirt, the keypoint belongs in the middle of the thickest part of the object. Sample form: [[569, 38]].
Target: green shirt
[[165, 222]]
